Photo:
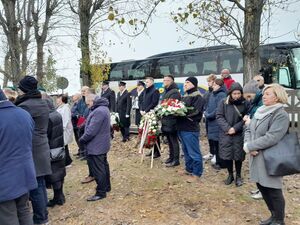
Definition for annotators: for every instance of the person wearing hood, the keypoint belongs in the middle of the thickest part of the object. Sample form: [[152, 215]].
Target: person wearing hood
[[230, 115], [96, 139], [189, 129], [17, 175], [30, 99], [218, 94], [56, 140], [168, 123]]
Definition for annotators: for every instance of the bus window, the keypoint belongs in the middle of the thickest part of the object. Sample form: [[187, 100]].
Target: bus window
[[116, 72], [232, 60], [209, 67], [190, 69]]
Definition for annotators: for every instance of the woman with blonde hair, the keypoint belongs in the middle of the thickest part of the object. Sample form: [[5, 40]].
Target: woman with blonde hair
[[268, 126]]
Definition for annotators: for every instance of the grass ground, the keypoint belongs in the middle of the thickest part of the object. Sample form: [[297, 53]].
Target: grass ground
[[163, 196]]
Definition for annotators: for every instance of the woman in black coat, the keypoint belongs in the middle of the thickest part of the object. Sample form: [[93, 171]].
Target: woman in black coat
[[229, 116], [56, 140]]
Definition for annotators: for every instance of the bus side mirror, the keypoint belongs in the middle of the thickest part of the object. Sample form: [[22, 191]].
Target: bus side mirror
[[284, 77]]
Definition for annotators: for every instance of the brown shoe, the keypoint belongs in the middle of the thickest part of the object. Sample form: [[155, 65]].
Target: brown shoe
[[193, 179], [87, 180]]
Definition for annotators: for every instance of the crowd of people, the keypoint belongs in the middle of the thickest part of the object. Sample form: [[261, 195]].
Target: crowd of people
[[238, 120]]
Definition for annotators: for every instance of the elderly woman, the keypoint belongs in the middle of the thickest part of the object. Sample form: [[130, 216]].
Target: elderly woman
[[268, 126]]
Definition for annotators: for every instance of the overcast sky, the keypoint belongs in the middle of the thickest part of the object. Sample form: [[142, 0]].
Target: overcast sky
[[161, 37]]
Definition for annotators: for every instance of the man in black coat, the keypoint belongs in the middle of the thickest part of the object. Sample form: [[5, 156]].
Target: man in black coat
[[109, 94], [123, 107], [169, 122], [31, 101], [150, 100]]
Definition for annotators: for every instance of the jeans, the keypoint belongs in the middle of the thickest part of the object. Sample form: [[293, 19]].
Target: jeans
[[39, 202], [192, 154], [16, 211]]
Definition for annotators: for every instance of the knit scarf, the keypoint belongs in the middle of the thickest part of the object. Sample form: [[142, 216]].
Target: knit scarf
[[263, 111]]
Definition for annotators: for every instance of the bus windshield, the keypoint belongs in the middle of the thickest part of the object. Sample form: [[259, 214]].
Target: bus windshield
[[296, 59]]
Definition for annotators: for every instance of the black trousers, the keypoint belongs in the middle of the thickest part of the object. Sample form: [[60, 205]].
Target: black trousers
[[100, 169], [138, 117], [214, 150], [125, 132], [76, 135], [82, 151], [173, 146], [68, 160], [16, 211], [274, 200]]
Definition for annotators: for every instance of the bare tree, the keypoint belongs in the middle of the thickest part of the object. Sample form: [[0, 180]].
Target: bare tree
[[40, 9], [93, 13], [224, 21], [9, 23]]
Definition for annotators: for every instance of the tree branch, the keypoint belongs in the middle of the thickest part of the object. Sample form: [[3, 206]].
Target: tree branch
[[238, 4]]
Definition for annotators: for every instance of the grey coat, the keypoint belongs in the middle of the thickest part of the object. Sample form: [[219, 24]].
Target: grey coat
[[39, 111], [259, 135]]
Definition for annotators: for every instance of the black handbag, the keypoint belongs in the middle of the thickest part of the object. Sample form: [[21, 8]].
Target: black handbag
[[57, 154], [283, 158]]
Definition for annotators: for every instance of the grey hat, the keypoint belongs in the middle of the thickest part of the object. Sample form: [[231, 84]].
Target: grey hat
[[251, 87]]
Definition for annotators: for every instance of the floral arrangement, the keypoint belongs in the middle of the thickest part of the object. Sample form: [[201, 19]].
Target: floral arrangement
[[151, 119], [115, 121], [172, 107]]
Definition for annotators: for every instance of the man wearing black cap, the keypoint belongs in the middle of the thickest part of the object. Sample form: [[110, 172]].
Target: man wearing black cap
[[31, 100], [189, 129], [109, 94], [137, 99], [123, 107]]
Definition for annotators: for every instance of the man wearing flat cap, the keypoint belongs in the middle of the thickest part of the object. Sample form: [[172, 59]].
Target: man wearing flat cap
[[123, 107], [109, 94], [30, 99]]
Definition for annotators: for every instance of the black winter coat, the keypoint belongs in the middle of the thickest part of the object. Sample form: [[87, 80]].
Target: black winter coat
[[191, 122], [169, 122], [110, 95], [56, 140], [231, 146], [123, 107], [150, 99], [39, 111]]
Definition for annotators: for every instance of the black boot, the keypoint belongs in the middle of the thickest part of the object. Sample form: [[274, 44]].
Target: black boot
[[238, 181], [277, 222], [173, 164], [169, 160], [267, 221], [229, 179]]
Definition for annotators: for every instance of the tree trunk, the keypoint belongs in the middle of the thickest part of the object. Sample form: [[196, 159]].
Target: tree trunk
[[251, 39], [84, 17], [5, 81], [40, 62], [11, 30]]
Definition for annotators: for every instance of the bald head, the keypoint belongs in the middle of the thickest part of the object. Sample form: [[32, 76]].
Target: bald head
[[225, 73]]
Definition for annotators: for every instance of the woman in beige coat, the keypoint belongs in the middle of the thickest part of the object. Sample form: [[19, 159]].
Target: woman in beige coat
[[268, 126]]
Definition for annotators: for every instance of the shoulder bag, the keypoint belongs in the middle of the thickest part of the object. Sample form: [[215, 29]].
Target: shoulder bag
[[283, 158]]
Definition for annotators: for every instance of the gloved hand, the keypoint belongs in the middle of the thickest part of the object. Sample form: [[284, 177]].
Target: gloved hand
[[127, 116]]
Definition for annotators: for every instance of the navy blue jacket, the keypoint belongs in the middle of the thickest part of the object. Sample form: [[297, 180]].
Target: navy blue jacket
[[210, 113], [17, 172], [150, 99]]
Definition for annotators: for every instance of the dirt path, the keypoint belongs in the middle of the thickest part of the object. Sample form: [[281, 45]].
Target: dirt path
[[162, 196]]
